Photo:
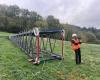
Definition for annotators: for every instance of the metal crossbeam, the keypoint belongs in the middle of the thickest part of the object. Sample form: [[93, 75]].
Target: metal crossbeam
[[37, 44]]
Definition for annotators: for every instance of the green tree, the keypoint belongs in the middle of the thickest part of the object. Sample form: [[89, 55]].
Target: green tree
[[42, 24], [52, 22]]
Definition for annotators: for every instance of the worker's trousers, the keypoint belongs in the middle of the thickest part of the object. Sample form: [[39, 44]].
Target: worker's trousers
[[78, 56]]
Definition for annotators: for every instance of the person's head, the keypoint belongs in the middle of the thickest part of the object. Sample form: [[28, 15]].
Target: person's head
[[74, 35]]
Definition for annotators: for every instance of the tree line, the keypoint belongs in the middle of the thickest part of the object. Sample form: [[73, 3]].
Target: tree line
[[14, 19]]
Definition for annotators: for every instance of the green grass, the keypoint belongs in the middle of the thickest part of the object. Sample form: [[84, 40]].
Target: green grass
[[4, 34], [15, 66]]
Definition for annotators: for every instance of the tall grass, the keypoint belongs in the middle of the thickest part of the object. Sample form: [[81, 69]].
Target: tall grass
[[15, 66]]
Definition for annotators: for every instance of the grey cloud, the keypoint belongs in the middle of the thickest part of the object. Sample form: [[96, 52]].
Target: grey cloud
[[89, 17], [78, 12]]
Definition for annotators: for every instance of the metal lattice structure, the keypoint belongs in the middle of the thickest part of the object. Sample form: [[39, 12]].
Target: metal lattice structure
[[40, 45]]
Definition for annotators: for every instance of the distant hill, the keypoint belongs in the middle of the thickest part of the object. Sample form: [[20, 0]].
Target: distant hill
[[14, 19], [90, 35]]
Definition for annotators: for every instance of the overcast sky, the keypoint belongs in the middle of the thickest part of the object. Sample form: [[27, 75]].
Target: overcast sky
[[77, 12]]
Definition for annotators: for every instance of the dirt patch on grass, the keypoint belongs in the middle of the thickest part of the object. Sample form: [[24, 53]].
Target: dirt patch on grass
[[76, 75]]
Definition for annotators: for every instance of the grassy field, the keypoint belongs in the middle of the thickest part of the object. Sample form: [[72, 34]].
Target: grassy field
[[15, 66]]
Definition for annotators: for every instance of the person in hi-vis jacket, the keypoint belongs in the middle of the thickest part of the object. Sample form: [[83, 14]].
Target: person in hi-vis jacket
[[75, 43]]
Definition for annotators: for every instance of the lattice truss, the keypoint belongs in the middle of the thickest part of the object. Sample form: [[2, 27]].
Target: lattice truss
[[41, 45]]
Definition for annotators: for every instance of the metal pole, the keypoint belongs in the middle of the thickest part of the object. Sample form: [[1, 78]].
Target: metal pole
[[37, 49], [62, 36]]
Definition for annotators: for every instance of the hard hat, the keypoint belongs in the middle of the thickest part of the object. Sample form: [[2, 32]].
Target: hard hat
[[74, 35]]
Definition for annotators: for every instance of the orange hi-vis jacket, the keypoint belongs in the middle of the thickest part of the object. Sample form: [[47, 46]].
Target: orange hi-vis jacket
[[75, 44]]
